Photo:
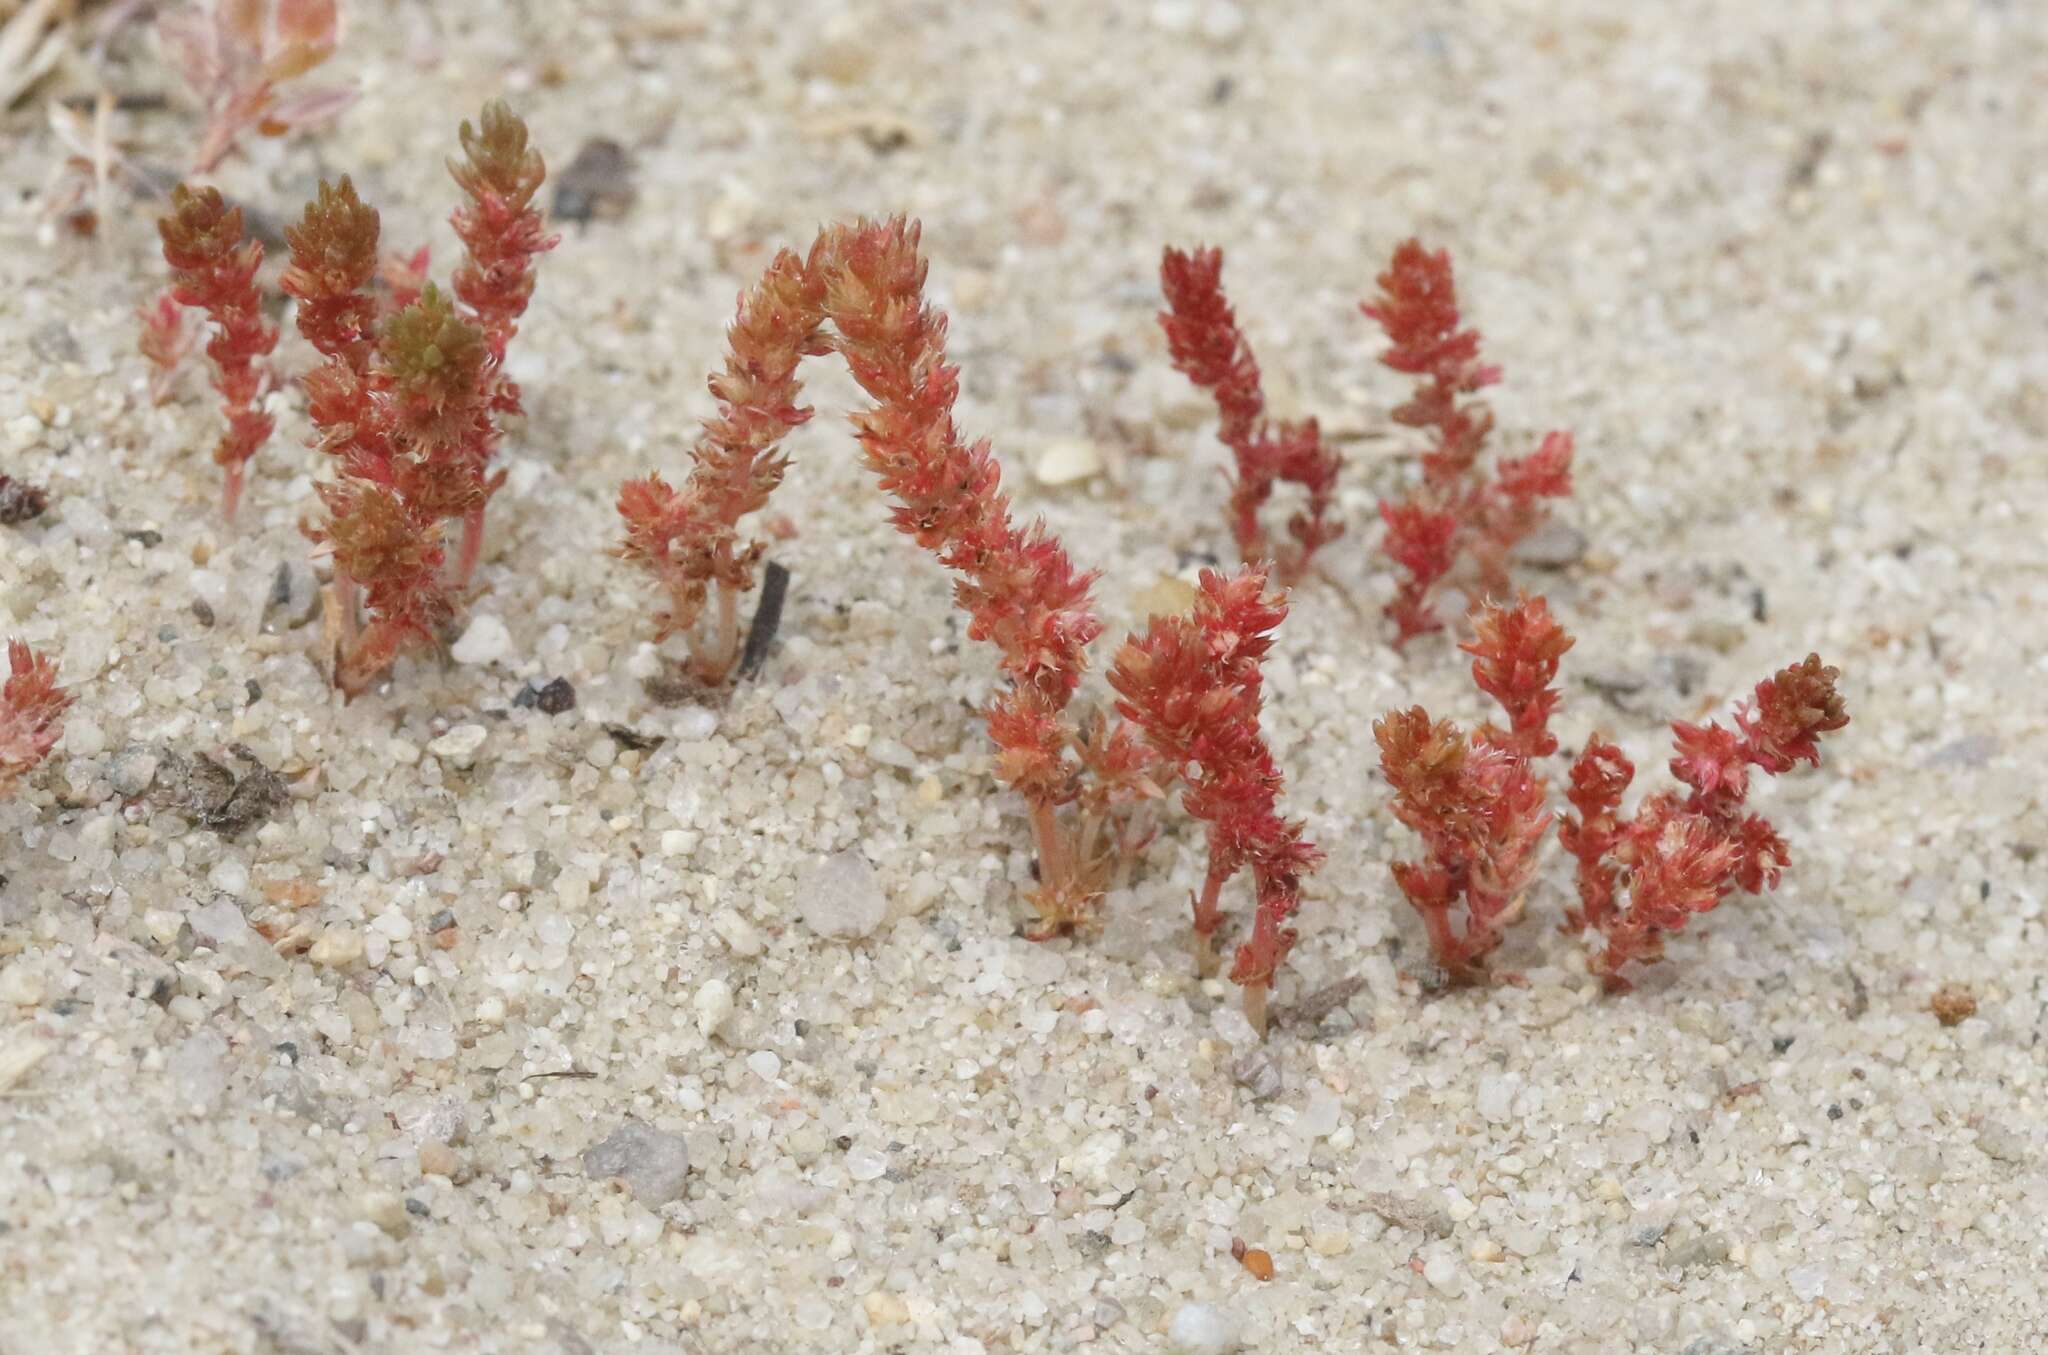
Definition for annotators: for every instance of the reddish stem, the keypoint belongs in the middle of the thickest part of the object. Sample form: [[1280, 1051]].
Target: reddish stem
[[472, 546]]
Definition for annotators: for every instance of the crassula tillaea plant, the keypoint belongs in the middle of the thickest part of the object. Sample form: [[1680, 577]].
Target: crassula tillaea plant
[[32, 708], [164, 342], [1211, 351], [1192, 684], [1643, 877], [409, 403], [1456, 510], [859, 293], [213, 269], [239, 56], [1478, 802]]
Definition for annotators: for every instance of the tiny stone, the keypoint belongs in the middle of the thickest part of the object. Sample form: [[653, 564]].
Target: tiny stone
[[652, 1164], [18, 1058], [865, 1164], [134, 769], [597, 183], [1319, 1118], [742, 936], [486, 641], [1257, 1070], [293, 599], [21, 985], [438, 1159], [1330, 1242], [1809, 1282], [54, 343], [1708, 1249], [197, 1067], [713, 1004], [1496, 1096], [1095, 1160], [2001, 1143], [460, 744], [1441, 1272], [1067, 461], [1554, 545], [765, 1064], [884, 1309], [220, 924], [840, 898], [336, 948], [555, 698], [387, 1211], [1202, 1329]]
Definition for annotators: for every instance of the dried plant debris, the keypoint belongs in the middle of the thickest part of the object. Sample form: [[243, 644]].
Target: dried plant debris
[[20, 501], [213, 796]]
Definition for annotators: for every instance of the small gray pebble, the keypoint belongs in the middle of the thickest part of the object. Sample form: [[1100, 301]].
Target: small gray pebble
[[1708, 1249], [1554, 545], [54, 343], [652, 1164], [1258, 1072], [294, 599]]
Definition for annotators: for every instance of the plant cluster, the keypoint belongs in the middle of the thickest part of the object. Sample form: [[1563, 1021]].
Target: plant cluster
[[1210, 350], [1481, 808], [859, 293], [409, 402], [1477, 801], [32, 709], [1192, 684], [1456, 510], [238, 56], [213, 269], [409, 397], [1676, 857]]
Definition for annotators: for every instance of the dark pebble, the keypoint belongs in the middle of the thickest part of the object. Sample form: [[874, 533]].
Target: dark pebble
[[558, 696], [20, 501], [598, 184]]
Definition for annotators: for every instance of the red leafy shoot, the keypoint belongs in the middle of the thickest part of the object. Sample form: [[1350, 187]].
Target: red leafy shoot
[[1479, 810], [1678, 857], [411, 391], [1478, 803], [1211, 351], [165, 342], [1455, 511], [239, 56], [1515, 653], [502, 236], [214, 269], [32, 709], [1192, 685]]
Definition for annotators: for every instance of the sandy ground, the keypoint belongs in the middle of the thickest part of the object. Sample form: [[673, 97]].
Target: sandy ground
[[1780, 267]]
